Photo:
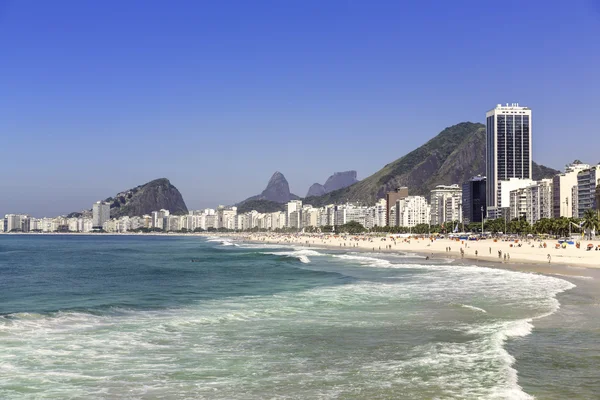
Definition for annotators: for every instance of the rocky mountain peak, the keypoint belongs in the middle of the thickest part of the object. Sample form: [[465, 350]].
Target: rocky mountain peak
[[338, 180]]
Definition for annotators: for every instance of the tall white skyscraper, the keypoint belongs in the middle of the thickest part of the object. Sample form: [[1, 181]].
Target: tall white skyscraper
[[100, 213], [508, 150]]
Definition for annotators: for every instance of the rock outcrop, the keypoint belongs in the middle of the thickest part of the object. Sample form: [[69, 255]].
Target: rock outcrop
[[338, 180], [316, 189], [277, 190], [152, 196]]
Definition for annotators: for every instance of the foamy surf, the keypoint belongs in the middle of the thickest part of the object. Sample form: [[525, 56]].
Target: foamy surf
[[301, 255]]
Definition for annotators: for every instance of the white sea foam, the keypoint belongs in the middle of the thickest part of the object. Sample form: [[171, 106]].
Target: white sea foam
[[473, 308], [365, 260], [223, 241], [301, 255]]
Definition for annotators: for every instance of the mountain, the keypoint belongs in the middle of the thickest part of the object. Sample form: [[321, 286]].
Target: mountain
[[277, 190], [152, 196], [262, 206], [338, 180], [316, 189], [454, 156]]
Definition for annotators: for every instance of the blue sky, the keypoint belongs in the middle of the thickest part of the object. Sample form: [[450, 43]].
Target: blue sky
[[98, 97]]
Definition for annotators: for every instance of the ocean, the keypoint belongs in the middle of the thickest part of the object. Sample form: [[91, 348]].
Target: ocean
[[167, 317]]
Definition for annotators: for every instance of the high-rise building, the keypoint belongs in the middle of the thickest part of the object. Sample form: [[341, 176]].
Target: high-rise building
[[100, 214], [586, 189], [473, 197], [446, 202], [508, 150], [293, 212], [563, 202], [390, 199]]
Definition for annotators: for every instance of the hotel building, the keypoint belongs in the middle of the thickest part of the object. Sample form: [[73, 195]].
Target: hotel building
[[508, 150]]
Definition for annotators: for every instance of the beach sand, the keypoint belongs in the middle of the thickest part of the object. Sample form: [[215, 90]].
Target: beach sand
[[526, 257]]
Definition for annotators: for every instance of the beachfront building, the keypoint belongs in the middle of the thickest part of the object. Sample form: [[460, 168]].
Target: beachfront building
[[293, 221], [473, 198], [508, 151], [275, 220], [503, 205], [563, 203], [356, 213], [100, 214], [327, 215], [17, 223], [310, 216], [380, 213], [446, 203], [539, 199], [517, 204], [412, 210], [391, 198], [586, 189], [226, 217]]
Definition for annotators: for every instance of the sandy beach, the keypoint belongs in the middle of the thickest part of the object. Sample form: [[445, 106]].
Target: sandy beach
[[528, 255]]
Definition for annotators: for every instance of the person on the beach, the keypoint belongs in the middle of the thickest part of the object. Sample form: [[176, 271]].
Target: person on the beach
[[475, 253], [549, 258]]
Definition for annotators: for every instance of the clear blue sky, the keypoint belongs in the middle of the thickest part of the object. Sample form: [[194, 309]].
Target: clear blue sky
[[98, 97]]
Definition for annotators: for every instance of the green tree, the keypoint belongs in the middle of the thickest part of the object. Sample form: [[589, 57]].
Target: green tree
[[590, 222]]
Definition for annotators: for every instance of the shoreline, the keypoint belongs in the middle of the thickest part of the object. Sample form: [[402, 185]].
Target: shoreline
[[518, 264]]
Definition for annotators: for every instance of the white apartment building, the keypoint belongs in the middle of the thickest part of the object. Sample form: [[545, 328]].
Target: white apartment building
[[293, 206], [100, 213], [446, 202], [539, 200], [517, 204], [506, 187], [310, 216], [226, 217], [412, 211], [13, 222], [327, 215], [380, 211], [508, 151], [563, 203], [356, 213]]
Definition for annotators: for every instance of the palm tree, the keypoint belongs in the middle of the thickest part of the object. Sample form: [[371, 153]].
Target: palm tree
[[590, 221]]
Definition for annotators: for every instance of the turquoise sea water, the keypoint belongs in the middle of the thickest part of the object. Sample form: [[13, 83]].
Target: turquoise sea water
[[129, 317]]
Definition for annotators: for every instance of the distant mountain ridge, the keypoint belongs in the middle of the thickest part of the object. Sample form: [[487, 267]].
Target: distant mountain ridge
[[141, 200], [338, 180], [454, 156], [277, 190]]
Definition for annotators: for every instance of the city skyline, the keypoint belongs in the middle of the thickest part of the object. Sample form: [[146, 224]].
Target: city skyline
[[216, 98]]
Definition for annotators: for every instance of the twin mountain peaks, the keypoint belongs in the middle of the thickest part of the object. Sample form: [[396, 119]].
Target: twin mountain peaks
[[454, 156]]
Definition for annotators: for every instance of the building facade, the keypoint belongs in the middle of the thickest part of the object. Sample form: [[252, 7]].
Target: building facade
[[473, 198], [539, 199], [391, 198], [563, 202], [412, 211], [508, 150], [446, 204], [586, 189], [100, 214]]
